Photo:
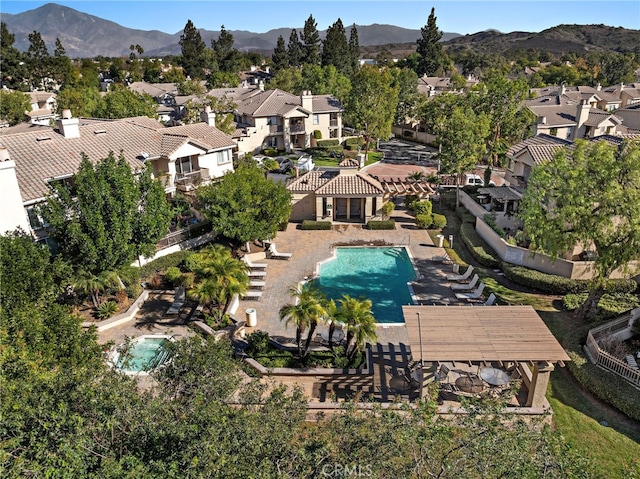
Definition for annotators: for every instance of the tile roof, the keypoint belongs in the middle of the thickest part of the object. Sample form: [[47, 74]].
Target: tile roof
[[540, 140], [560, 115], [311, 181], [354, 185], [596, 117], [325, 103], [44, 153], [349, 163], [270, 102]]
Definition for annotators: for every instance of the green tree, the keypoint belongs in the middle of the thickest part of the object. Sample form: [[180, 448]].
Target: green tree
[[588, 196], [289, 80], [13, 105], [294, 49], [432, 58], [39, 61], [12, 65], [280, 57], [354, 49], [190, 87], [61, 65], [409, 98], [245, 206], [120, 102], [325, 80], [95, 221], [83, 101], [310, 42], [193, 52], [335, 49], [227, 57], [461, 136], [371, 104], [305, 313], [359, 322]]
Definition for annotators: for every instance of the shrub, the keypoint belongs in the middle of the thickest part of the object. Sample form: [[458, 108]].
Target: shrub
[[331, 142], [315, 225], [423, 207], [133, 290], [172, 275], [478, 247], [353, 143], [317, 134], [258, 343], [490, 221], [388, 208], [610, 306], [108, 309], [424, 220], [410, 201], [620, 286], [465, 216], [270, 152], [549, 283], [164, 262], [439, 221], [381, 225]]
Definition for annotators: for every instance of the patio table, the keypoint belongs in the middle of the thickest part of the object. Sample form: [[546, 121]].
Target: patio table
[[338, 335], [494, 376]]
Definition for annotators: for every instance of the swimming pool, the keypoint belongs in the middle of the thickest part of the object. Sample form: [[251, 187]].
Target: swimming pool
[[377, 273], [143, 354]]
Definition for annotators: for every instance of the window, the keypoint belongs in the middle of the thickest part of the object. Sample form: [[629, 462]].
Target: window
[[272, 120], [184, 166], [35, 220], [316, 119], [510, 164], [223, 157]]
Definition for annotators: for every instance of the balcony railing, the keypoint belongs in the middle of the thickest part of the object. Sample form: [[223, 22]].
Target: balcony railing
[[275, 129], [191, 180], [184, 234], [297, 128], [333, 123]]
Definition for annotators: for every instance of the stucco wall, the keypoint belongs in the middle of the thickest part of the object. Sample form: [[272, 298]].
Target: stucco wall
[[13, 213]]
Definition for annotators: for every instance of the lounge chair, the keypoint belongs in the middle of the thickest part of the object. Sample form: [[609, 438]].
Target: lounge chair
[[251, 265], [461, 277], [472, 295], [257, 284], [256, 274], [255, 295], [178, 301], [272, 253], [491, 300], [466, 286]]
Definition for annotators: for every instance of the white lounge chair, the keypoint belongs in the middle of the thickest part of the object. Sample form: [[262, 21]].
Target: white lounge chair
[[461, 277], [473, 295], [257, 274], [466, 286], [251, 265], [178, 301], [491, 300], [257, 284], [256, 295], [272, 253]]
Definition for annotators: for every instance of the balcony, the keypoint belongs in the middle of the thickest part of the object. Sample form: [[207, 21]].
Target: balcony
[[190, 181], [275, 129], [333, 123], [297, 128]]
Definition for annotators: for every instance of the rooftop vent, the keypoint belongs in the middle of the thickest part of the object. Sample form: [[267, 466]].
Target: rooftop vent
[[100, 132], [43, 138]]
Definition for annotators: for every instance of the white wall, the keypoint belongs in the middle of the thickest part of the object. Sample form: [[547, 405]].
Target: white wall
[[13, 214]]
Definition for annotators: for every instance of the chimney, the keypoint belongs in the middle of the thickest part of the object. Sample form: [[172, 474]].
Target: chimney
[[69, 126], [267, 69], [253, 68], [582, 113], [563, 89], [542, 120], [208, 117], [4, 154], [306, 100], [598, 87], [261, 85]]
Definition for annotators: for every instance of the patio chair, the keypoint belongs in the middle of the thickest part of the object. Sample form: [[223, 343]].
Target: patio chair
[[491, 300], [257, 284], [472, 295], [178, 301], [257, 274], [468, 286], [273, 253], [442, 373], [251, 265], [461, 277], [252, 294]]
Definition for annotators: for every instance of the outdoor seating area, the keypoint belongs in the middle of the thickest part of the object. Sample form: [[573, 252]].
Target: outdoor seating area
[[473, 295], [466, 286], [273, 253], [257, 275]]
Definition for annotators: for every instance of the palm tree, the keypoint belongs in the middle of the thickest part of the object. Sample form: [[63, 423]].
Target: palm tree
[[306, 312], [93, 285], [332, 316], [206, 292], [417, 176], [359, 322]]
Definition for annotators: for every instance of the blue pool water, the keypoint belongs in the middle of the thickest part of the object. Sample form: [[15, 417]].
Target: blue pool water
[[379, 274], [143, 354]]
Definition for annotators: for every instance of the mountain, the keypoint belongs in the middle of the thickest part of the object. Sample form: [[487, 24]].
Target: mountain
[[84, 35], [557, 40]]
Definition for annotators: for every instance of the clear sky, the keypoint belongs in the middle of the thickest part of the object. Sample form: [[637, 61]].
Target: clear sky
[[470, 16]]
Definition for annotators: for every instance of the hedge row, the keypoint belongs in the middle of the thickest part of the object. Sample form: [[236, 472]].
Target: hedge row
[[465, 216], [315, 225], [549, 283], [164, 262], [478, 247], [325, 143], [353, 143], [381, 225], [610, 306]]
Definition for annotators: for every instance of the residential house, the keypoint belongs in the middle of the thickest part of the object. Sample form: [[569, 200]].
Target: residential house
[[527, 154], [163, 93], [628, 94], [43, 108], [342, 195], [29, 161], [631, 116]]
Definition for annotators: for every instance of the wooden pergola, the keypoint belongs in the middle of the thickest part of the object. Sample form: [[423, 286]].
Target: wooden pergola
[[477, 334], [400, 186]]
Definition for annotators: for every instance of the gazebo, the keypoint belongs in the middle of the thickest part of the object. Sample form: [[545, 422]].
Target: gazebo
[[485, 334]]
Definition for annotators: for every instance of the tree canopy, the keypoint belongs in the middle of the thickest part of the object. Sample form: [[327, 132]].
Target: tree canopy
[[193, 51], [106, 214], [245, 206], [13, 105], [335, 49], [589, 196], [310, 42], [432, 59]]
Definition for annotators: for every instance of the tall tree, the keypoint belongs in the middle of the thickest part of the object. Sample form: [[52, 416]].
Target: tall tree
[[61, 65], [96, 217], [432, 58], [588, 196], [280, 57], [335, 49], [13, 104], [83, 101], [372, 102], [354, 48], [310, 42], [120, 102], [359, 322], [409, 98], [325, 81], [294, 49], [12, 67], [39, 61], [193, 52], [227, 57], [305, 313], [245, 206]]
